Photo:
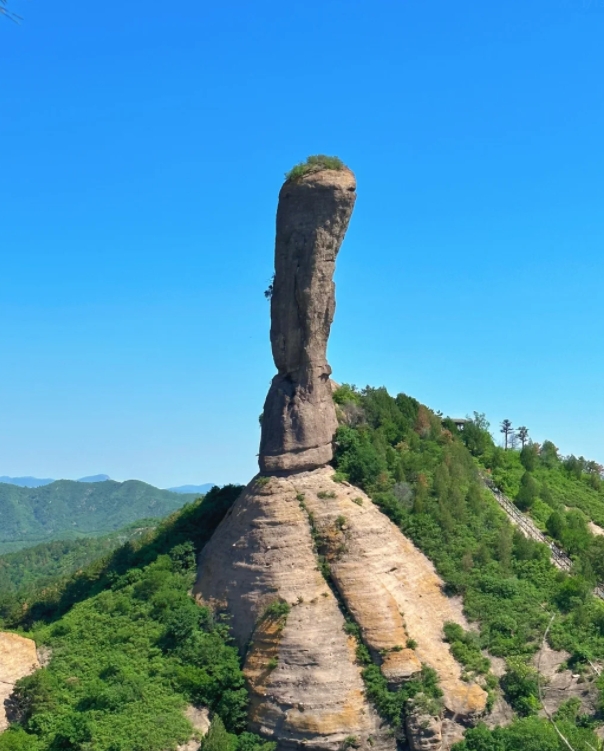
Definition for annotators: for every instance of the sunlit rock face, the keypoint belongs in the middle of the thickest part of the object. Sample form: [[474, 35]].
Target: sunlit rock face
[[299, 418]]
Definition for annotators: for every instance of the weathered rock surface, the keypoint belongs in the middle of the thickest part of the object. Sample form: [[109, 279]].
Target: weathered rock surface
[[18, 658], [389, 586], [199, 717], [299, 418], [262, 567], [306, 686], [424, 731]]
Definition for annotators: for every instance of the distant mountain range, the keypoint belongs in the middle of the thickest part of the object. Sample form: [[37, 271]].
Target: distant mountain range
[[38, 482], [67, 509], [200, 489]]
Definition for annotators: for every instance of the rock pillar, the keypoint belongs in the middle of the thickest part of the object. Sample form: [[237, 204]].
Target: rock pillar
[[299, 418]]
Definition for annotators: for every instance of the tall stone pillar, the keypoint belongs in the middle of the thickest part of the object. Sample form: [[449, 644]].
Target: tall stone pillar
[[299, 418]]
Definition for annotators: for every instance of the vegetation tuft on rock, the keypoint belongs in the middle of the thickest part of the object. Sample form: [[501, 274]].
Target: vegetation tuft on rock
[[314, 163]]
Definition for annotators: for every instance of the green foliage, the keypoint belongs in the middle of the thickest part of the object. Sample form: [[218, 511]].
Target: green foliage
[[29, 570], [16, 739], [528, 734], [529, 490], [277, 609], [346, 394], [194, 524], [521, 687], [68, 510], [508, 584], [392, 704], [465, 647], [314, 164], [132, 649]]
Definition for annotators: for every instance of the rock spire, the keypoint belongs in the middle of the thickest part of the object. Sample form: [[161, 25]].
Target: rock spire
[[299, 418]]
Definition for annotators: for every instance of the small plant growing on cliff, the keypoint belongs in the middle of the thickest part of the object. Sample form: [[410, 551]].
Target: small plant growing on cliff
[[314, 164], [268, 292], [351, 741], [323, 494], [411, 644], [358, 500], [277, 609], [341, 522], [262, 481], [272, 663]]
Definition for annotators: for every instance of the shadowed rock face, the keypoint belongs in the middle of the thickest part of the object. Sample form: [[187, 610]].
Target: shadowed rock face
[[299, 415]]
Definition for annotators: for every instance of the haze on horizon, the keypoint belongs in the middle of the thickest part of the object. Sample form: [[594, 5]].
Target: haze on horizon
[[142, 159]]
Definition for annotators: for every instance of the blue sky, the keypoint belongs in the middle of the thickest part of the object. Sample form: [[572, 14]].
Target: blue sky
[[143, 149]]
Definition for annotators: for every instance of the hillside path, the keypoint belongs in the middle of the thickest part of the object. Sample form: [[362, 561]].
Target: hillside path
[[529, 529]]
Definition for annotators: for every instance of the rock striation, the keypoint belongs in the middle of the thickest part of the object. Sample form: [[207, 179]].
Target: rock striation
[[299, 417], [264, 564]]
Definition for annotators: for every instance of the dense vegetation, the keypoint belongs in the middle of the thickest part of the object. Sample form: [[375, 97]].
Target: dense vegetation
[[418, 469], [28, 571], [562, 495], [314, 164], [66, 509], [130, 648]]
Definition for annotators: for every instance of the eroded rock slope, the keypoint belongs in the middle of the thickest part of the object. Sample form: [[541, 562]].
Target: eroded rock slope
[[262, 564]]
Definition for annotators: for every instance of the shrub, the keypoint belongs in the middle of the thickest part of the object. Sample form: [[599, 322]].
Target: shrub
[[314, 163]]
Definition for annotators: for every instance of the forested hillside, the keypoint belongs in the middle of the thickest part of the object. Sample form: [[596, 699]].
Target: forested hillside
[[66, 509], [419, 470], [31, 569], [563, 495], [159, 651]]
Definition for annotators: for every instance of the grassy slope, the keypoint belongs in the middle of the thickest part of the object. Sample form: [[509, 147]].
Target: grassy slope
[[67, 509]]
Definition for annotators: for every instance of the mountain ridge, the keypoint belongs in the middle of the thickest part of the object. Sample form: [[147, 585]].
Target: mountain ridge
[[67, 509]]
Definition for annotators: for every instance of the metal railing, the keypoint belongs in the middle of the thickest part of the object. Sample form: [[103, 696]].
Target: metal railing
[[530, 529]]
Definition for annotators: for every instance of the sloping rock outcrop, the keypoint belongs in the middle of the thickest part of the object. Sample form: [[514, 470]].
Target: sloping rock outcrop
[[18, 658], [299, 417], [300, 664]]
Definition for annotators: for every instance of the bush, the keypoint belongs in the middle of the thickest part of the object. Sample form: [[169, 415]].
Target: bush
[[314, 164]]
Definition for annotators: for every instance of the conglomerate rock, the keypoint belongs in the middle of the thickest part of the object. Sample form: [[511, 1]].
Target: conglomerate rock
[[299, 418]]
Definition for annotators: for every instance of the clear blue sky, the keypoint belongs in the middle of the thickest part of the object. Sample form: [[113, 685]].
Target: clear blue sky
[[143, 147]]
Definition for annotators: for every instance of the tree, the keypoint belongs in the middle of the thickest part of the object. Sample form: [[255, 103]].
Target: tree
[[528, 457], [529, 490], [4, 11], [549, 454], [522, 433], [506, 429]]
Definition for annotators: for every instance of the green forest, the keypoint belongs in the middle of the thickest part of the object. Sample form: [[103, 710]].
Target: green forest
[[130, 648], [425, 475], [65, 509]]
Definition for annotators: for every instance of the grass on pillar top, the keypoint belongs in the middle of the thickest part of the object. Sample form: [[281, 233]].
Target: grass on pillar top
[[314, 164]]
